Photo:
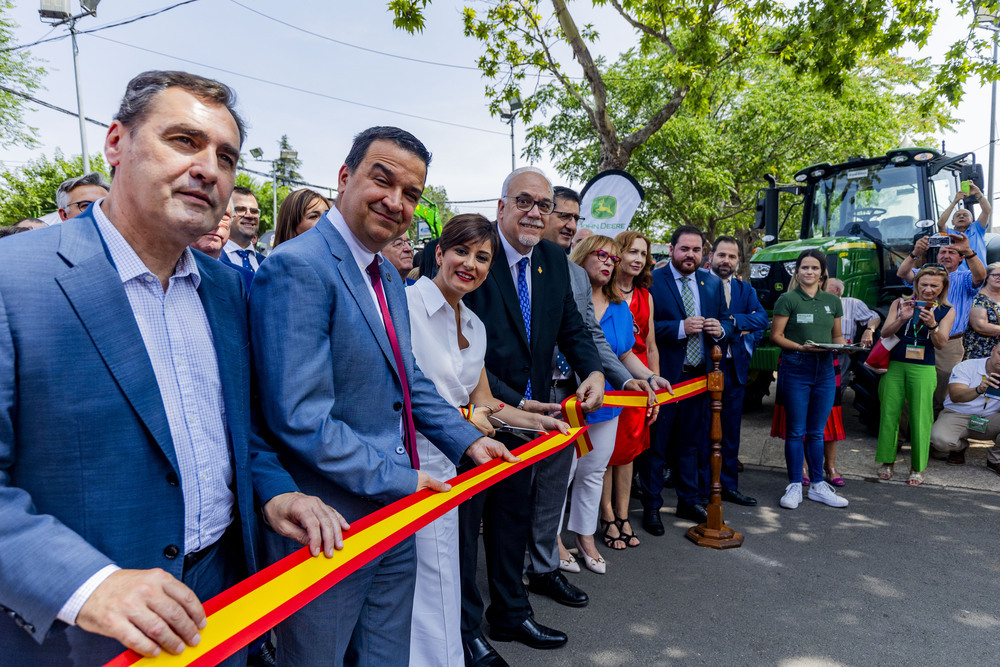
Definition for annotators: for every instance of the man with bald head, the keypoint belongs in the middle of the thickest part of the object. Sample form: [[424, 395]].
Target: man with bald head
[[962, 221], [527, 305]]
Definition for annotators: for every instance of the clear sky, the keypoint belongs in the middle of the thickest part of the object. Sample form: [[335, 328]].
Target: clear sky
[[229, 42]]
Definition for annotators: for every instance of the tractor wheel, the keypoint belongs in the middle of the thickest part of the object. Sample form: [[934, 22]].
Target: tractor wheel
[[865, 386], [758, 386]]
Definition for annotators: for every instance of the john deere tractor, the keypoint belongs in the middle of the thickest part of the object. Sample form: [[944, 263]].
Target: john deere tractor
[[865, 214]]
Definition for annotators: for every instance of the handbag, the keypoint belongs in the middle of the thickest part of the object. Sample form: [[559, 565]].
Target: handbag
[[878, 359]]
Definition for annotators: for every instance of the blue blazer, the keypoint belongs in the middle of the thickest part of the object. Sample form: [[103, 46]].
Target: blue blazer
[[748, 315], [88, 473], [245, 274], [668, 312], [330, 392]]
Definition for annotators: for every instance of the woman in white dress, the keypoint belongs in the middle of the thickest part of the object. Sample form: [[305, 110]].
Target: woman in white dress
[[449, 346]]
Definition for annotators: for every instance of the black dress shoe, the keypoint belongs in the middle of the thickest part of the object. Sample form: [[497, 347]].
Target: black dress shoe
[[530, 633], [734, 496], [668, 478], [556, 586], [652, 523], [696, 513], [479, 653]]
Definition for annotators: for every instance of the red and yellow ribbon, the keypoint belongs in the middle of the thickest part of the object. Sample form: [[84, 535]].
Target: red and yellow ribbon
[[573, 412], [255, 605]]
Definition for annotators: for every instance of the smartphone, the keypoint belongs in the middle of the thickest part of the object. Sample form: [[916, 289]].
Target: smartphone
[[938, 241], [993, 391], [965, 186], [917, 307]]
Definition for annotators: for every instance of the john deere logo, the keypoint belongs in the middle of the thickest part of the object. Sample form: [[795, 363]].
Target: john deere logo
[[604, 207]]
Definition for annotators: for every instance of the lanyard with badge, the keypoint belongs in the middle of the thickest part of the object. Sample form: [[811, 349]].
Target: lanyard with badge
[[978, 423], [915, 352]]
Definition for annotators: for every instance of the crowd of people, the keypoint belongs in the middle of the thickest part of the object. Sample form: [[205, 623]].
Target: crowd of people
[[180, 410]]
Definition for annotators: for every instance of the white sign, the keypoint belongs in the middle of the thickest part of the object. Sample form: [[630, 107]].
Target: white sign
[[609, 200]]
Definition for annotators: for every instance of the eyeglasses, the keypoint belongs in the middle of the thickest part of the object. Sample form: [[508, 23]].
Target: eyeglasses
[[604, 255], [565, 216], [243, 210], [995, 274], [399, 243], [81, 205], [545, 206]]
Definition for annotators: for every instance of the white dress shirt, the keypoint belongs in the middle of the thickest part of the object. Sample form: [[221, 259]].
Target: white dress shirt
[[693, 284], [231, 249], [513, 257], [362, 255]]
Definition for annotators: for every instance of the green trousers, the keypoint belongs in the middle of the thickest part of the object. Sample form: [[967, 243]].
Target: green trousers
[[914, 383]]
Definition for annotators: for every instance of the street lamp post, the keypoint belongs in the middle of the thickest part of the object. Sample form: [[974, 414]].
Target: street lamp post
[[258, 155], [989, 21], [59, 10], [509, 116]]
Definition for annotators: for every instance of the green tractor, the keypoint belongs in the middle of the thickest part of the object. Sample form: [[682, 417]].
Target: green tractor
[[865, 214]]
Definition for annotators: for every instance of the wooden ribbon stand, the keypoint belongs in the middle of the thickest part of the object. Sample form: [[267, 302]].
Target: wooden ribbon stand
[[715, 533]]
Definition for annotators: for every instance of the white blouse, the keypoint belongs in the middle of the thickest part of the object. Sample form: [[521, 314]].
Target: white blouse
[[434, 334]]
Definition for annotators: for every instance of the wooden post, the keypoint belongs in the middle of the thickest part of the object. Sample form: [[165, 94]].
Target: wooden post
[[715, 533]]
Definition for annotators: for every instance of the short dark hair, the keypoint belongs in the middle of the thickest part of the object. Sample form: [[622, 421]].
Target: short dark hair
[[241, 190], [728, 239], [686, 229], [562, 192], [143, 88], [466, 229], [363, 140]]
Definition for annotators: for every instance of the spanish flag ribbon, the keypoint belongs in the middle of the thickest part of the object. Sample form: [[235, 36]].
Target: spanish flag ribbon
[[573, 412], [249, 609]]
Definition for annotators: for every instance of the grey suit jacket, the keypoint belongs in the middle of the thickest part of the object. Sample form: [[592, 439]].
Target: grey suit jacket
[[614, 371]]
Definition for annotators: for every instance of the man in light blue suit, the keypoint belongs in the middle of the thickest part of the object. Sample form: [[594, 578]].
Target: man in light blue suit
[[342, 398], [126, 494], [749, 322]]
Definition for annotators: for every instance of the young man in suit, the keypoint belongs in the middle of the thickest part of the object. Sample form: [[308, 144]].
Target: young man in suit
[[749, 322], [690, 316], [344, 398], [527, 305], [125, 487]]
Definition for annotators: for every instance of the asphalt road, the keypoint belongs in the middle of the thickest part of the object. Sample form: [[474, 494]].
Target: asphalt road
[[902, 576]]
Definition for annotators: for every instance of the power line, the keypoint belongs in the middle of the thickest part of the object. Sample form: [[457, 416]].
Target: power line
[[32, 98], [99, 28], [302, 90], [348, 44]]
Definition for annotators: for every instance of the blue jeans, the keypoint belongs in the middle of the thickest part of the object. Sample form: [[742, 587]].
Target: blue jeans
[[806, 382]]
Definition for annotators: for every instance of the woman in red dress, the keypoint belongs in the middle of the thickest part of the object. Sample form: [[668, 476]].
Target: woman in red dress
[[634, 277]]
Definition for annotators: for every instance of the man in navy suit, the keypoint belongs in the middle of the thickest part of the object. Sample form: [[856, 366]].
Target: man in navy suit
[[749, 322], [343, 396], [690, 316], [212, 243], [125, 466]]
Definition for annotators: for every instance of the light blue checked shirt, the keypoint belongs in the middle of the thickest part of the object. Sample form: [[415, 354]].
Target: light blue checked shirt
[[179, 343]]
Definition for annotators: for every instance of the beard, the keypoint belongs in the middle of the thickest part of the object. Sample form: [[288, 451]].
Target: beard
[[528, 241], [723, 270]]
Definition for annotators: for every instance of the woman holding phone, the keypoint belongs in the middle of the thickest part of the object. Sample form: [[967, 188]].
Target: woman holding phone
[[803, 316], [922, 325]]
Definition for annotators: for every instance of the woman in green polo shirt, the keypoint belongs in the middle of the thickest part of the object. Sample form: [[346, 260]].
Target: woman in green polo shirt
[[922, 325], [806, 314]]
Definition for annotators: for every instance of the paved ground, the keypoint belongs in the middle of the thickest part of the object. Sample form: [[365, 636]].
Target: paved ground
[[901, 576]]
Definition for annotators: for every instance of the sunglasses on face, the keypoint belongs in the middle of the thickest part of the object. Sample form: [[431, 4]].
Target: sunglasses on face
[[545, 206], [604, 255]]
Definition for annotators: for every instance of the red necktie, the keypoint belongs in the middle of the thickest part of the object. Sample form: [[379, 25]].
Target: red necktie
[[409, 431]]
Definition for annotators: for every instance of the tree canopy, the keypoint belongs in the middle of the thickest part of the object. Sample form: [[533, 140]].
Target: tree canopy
[[694, 41], [18, 72]]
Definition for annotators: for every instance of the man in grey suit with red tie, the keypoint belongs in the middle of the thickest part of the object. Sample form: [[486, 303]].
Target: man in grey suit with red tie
[[343, 397]]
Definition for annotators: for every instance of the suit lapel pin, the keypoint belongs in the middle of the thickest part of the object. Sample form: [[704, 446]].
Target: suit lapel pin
[[539, 269], [388, 276]]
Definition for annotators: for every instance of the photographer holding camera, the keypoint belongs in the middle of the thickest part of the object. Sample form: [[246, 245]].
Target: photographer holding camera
[[972, 409], [963, 284], [962, 220]]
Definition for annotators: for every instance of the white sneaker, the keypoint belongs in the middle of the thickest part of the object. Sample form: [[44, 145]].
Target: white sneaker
[[792, 497], [822, 492]]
